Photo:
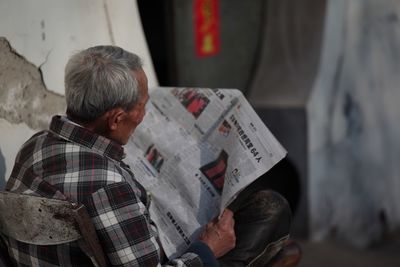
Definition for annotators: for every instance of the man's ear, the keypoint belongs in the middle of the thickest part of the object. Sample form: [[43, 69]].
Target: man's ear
[[114, 117]]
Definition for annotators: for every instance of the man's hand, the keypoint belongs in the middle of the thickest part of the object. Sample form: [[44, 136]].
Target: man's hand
[[219, 235]]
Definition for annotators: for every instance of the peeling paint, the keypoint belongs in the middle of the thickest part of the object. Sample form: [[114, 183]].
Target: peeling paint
[[23, 96], [86, 23]]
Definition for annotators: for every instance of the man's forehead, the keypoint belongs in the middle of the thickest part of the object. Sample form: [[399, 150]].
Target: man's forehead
[[140, 74], [142, 80]]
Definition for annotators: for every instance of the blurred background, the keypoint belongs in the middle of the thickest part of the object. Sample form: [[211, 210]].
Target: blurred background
[[322, 74]]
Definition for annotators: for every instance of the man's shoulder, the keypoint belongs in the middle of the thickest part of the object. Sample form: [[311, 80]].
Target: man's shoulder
[[31, 145], [48, 147]]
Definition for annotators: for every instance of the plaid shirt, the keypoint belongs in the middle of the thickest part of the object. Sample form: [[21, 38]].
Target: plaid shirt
[[70, 162]]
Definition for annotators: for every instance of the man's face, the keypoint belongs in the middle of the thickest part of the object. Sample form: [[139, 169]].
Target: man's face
[[134, 117]]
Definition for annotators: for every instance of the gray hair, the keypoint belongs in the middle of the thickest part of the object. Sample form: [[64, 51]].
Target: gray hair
[[99, 79]]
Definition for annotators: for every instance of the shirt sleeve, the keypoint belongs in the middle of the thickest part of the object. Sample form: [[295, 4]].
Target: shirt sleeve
[[205, 253], [123, 226]]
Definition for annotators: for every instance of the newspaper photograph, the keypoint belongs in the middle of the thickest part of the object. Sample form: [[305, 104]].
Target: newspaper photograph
[[195, 150]]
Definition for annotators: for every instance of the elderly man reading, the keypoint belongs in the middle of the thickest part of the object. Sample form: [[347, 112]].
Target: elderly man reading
[[80, 158]]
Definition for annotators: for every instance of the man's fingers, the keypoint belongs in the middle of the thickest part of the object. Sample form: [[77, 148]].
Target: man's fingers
[[226, 219], [226, 215], [220, 235]]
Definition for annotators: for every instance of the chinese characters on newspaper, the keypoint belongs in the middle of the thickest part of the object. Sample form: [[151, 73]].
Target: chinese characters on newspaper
[[194, 152]]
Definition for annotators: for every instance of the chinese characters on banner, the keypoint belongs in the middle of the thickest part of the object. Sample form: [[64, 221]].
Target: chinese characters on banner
[[206, 24]]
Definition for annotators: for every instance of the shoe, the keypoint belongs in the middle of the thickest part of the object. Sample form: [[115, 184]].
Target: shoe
[[289, 256]]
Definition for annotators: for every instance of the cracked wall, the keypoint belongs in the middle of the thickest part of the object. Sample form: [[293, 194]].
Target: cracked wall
[[49, 31], [25, 104], [23, 96], [46, 36]]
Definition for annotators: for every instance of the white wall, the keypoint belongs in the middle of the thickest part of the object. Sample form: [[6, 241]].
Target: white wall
[[12, 137], [47, 32], [354, 112]]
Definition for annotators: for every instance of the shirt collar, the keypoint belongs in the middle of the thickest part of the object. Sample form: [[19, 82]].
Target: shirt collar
[[78, 134]]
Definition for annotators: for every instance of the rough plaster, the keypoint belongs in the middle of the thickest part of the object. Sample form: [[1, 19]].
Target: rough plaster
[[25, 104], [23, 96], [354, 110], [48, 32]]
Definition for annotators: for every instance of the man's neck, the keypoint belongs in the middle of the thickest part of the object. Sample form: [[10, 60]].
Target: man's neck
[[97, 126]]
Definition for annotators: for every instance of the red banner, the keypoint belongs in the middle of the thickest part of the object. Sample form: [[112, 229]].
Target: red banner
[[206, 24]]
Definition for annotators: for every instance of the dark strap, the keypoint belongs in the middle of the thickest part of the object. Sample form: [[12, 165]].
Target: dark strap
[[5, 260]]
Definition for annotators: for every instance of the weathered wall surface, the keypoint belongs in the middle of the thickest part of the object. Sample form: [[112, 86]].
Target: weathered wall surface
[[286, 70], [44, 33], [25, 104], [352, 169], [23, 97], [353, 124], [47, 32]]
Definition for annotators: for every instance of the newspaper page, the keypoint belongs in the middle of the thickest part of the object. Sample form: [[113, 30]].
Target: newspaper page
[[194, 152]]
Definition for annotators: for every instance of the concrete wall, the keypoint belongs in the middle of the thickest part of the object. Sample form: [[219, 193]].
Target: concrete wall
[[25, 104], [353, 124], [350, 97], [39, 37], [286, 70], [239, 32], [47, 32], [290, 51], [336, 63]]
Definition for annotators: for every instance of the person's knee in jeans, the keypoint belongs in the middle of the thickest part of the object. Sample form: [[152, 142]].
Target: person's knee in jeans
[[265, 204], [262, 225]]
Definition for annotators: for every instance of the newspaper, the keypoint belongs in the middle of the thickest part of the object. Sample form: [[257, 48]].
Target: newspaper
[[194, 152]]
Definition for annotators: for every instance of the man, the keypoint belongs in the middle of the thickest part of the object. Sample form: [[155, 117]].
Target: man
[[80, 159]]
